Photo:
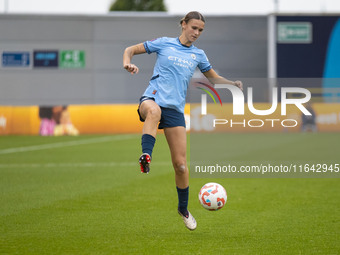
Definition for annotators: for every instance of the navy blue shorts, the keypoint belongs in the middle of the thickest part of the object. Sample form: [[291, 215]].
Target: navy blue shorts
[[169, 117]]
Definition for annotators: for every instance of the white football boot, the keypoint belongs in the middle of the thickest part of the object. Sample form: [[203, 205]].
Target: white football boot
[[189, 221]]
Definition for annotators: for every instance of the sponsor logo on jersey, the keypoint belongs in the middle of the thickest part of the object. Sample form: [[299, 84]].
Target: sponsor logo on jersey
[[181, 62]]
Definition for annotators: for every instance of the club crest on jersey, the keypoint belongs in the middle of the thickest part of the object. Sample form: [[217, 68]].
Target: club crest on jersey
[[193, 56], [154, 92]]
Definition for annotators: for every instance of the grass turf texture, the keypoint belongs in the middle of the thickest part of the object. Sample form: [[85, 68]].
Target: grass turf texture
[[85, 195]]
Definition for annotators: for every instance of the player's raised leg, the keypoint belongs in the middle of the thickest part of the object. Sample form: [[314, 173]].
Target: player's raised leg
[[176, 137], [151, 113]]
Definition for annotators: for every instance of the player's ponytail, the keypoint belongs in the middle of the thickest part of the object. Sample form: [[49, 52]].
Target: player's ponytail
[[192, 15]]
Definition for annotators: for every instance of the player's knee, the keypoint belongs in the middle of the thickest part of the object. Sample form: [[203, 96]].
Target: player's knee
[[180, 167], [154, 112]]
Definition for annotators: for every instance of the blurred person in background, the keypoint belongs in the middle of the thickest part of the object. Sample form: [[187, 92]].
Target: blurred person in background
[[56, 120], [309, 121]]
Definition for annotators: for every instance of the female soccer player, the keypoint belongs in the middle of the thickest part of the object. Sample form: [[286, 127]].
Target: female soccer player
[[163, 101]]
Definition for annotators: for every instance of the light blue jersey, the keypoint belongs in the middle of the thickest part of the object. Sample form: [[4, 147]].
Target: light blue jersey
[[175, 65]]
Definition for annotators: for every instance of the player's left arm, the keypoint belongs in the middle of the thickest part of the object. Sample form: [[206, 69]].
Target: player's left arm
[[214, 78]]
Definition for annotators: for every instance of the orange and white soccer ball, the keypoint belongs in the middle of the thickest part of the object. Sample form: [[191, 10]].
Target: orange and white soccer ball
[[212, 196]]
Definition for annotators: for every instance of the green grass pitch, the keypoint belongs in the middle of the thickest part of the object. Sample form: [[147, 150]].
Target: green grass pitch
[[86, 195]]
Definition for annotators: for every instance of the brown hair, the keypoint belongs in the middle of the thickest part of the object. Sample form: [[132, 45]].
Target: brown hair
[[192, 15]]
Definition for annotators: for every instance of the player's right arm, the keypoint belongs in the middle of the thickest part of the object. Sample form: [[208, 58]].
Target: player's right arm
[[129, 52]]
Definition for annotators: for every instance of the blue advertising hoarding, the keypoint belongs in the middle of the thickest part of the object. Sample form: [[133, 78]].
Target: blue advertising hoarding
[[45, 58], [15, 59]]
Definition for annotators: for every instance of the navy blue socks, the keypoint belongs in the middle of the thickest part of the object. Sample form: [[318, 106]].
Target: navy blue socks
[[148, 142], [183, 199]]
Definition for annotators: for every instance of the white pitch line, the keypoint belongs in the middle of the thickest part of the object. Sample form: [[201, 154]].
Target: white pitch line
[[65, 144], [84, 164]]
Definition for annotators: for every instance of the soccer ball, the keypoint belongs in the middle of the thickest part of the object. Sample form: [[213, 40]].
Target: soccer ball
[[212, 196]]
